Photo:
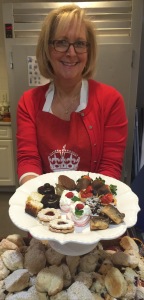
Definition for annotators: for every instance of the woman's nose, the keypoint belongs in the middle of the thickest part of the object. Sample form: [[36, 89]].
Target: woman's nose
[[71, 50]]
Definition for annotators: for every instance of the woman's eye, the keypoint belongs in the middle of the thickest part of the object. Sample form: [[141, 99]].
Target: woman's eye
[[80, 44], [62, 43]]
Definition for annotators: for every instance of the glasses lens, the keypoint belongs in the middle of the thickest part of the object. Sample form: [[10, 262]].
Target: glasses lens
[[81, 46], [61, 45]]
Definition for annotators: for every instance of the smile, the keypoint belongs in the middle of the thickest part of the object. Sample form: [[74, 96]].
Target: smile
[[69, 64]]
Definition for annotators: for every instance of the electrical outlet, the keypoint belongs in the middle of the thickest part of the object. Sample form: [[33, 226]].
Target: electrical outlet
[[4, 95]]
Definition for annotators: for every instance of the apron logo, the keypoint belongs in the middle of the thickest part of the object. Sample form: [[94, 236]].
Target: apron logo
[[64, 159]]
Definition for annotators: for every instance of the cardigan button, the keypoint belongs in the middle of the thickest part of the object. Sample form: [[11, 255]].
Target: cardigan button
[[95, 161], [90, 127], [95, 145], [82, 114]]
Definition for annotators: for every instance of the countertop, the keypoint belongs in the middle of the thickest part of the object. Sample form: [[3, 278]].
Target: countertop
[[5, 123]]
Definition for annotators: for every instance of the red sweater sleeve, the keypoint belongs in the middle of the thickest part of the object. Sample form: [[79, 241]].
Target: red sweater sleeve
[[114, 133], [28, 158]]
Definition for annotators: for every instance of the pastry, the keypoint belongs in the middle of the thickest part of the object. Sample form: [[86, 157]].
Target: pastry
[[88, 262], [30, 294], [73, 263], [48, 214], [67, 198], [46, 189], [113, 213], [12, 259], [61, 226], [140, 293], [60, 296], [67, 279], [35, 259], [59, 189], [115, 283], [94, 204], [51, 201], [66, 182], [35, 196], [126, 259], [4, 271], [16, 239], [105, 266], [98, 223], [79, 291], [17, 280], [128, 244], [7, 245], [53, 257], [79, 214], [84, 277], [32, 207], [50, 280]]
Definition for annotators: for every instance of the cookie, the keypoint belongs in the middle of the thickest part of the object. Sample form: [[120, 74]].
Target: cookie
[[48, 214], [61, 226]]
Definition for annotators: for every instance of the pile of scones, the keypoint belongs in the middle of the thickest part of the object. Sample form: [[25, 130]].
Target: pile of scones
[[30, 269]]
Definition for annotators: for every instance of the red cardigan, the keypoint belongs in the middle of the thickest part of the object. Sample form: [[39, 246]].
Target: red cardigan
[[105, 121]]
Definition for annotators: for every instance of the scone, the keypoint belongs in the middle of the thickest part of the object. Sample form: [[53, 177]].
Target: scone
[[127, 243], [84, 277], [7, 245], [12, 259], [53, 257], [4, 271], [79, 291], [115, 283], [50, 280], [34, 259], [17, 281], [16, 239]]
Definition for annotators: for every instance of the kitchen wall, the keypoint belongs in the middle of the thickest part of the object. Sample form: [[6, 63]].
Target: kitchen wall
[[3, 73]]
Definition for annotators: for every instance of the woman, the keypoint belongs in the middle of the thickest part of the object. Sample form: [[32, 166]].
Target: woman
[[73, 122]]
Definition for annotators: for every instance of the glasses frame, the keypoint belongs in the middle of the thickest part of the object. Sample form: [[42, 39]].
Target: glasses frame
[[70, 44]]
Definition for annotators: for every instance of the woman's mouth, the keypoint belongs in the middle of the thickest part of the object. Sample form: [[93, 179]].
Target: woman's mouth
[[69, 64]]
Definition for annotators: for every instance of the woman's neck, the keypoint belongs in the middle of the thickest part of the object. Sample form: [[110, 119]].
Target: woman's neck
[[64, 90], [66, 100]]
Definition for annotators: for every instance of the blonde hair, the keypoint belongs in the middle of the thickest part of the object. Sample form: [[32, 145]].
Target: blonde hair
[[54, 23]]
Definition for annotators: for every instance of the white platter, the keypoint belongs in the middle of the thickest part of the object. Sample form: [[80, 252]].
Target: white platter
[[82, 240]]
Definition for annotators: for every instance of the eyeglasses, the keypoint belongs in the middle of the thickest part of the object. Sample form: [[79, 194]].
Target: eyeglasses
[[63, 46]]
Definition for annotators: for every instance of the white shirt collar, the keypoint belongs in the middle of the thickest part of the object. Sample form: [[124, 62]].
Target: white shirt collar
[[83, 97]]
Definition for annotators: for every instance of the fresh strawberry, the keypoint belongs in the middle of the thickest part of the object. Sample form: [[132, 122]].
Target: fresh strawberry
[[80, 206], [107, 199], [87, 192], [69, 195]]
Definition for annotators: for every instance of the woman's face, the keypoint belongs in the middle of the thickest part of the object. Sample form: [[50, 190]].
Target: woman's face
[[69, 65]]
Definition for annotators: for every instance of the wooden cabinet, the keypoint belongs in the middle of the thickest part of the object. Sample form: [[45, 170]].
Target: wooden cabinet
[[7, 175]]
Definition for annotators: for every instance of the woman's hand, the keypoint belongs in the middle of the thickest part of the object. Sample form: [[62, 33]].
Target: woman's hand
[[26, 178]]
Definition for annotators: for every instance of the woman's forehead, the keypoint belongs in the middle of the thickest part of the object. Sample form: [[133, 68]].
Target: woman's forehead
[[73, 28]]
